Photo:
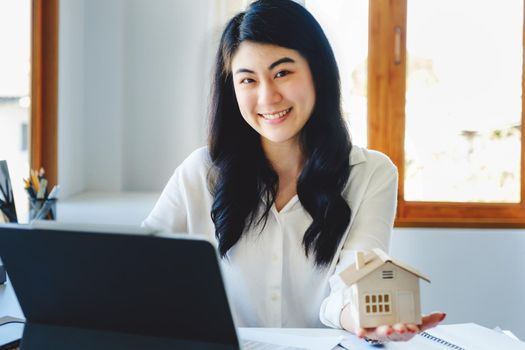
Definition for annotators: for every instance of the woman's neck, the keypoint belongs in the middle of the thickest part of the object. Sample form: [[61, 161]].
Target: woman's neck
[[286, 158]]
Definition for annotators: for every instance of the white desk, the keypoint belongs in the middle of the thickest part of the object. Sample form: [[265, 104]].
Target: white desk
[[9, 307]]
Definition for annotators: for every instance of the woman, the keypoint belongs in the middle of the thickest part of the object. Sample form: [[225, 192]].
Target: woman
[[280, 186]]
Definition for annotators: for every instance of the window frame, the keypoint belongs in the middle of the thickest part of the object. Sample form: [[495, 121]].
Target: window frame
[[43, 126], [386, 128]]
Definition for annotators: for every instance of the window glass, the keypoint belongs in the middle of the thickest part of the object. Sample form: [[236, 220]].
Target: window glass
[[15, 31], [345, 23], [463, 101]]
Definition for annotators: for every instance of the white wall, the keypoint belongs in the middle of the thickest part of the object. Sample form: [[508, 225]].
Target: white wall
[[133, 86], [71, 157], [478, 275], [165, 88], [103, 89]]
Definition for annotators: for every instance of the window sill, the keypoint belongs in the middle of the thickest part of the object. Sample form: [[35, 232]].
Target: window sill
[[122, 208]]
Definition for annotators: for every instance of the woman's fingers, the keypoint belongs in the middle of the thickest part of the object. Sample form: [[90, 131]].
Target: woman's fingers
[[361, 332], [413, 328], [384, 331], [396, 332], [400, 328], [401, 331], [380, 333], [432, 320]]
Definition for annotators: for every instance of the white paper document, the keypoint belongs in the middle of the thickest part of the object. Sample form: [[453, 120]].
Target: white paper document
[[467, 336], [470, 336], [301, 338]]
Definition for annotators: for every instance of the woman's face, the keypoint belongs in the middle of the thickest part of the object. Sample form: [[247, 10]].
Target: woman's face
[[274, 90]]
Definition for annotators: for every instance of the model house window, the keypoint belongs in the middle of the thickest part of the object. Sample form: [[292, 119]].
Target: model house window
[[378, 304]]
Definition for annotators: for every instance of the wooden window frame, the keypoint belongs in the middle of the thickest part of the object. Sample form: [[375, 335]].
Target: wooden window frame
[[44, 88], [386, 128]]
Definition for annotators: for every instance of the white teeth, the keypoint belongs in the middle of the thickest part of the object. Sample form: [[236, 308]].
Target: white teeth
[[276, 115]]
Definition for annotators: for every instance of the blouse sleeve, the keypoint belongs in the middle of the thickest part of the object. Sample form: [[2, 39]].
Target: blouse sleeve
[[185, 196], [371, 228], [169, 213]]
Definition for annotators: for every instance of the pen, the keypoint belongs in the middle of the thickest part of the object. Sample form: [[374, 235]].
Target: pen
[[44, 211], [42, 189], [29, 188], [34, 180], [54, 192], [31, 192]]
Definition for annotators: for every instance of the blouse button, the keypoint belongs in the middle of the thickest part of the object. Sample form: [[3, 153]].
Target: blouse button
[[275, 296]]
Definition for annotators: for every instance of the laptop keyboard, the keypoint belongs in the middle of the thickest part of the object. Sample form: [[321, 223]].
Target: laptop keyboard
[[245, 345]]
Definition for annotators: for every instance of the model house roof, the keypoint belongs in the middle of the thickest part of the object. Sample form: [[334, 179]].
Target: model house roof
[[372, 261]]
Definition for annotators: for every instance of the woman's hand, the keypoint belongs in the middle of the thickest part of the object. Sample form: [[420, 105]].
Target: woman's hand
[[396, 332]]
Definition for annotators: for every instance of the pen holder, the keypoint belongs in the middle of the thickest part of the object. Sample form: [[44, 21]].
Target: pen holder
[[42, 209]]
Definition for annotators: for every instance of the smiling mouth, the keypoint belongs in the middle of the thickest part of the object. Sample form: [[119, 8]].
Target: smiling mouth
[[276, 115]]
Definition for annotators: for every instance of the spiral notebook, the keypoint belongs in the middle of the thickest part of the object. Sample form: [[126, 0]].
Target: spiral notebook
[[465, 336]]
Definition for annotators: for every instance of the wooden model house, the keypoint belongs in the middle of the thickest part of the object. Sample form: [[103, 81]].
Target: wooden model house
[[383, 291]]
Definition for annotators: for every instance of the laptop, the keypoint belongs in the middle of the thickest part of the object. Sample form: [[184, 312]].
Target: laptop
[[83, 289]]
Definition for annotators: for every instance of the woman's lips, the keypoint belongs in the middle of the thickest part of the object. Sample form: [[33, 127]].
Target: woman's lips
[[276, 117]]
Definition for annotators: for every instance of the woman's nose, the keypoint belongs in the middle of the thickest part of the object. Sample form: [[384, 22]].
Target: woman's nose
[[269, 94]]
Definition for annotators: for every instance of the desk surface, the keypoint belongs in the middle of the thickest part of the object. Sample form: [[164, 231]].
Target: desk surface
[[9, 306]]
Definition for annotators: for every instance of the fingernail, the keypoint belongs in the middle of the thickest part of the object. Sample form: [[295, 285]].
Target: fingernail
[[443, 316]]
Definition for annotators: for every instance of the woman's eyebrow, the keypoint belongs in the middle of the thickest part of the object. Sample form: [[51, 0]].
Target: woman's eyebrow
[[244, 70], [279, 61], [270, 67]]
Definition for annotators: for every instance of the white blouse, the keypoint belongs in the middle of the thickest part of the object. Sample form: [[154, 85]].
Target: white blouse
[[269, 280]]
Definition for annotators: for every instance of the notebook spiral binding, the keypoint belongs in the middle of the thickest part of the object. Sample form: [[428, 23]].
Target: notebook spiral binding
[[441, 341]]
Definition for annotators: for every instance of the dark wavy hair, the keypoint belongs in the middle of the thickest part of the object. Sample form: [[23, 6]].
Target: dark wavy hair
[[242, 181]]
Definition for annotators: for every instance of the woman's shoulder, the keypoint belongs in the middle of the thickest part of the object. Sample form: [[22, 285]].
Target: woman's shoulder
[[364, 158], [196, 165], [369, 170], [198, 158]]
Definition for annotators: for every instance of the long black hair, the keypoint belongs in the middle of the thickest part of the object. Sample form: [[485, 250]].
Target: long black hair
[[243, 184]]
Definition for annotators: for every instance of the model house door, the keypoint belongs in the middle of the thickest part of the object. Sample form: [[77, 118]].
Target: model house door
[[405, 306]]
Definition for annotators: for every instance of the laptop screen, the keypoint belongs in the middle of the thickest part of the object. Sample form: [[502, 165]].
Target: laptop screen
[[155, 286]]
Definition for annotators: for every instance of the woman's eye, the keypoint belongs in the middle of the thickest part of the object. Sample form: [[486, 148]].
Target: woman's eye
[[247, 81], [282, 73]]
